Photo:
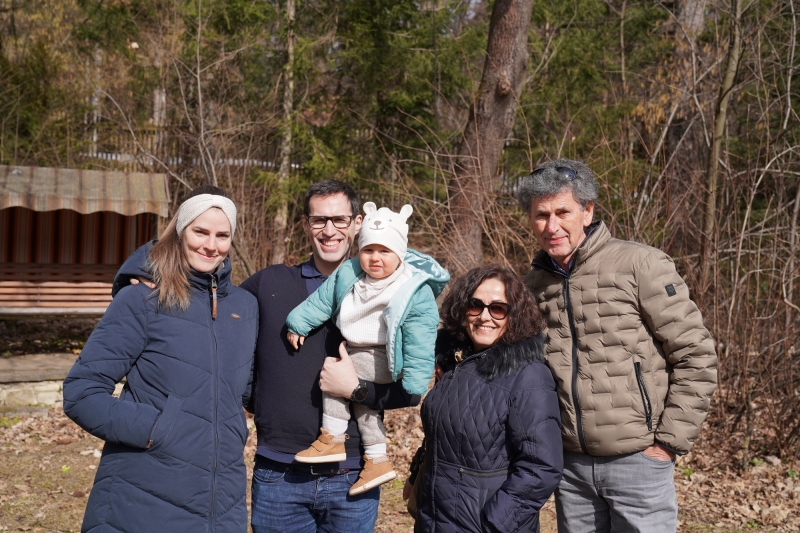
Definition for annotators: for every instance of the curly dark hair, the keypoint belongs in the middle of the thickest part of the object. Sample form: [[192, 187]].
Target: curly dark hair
[[524, 319]]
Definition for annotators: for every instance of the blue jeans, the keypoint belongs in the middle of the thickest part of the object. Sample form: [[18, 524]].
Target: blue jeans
[[630, 493], [292, 500]]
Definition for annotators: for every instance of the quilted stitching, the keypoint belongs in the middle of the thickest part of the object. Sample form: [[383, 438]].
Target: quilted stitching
[[197, 466], [477, 434], [622, 315]]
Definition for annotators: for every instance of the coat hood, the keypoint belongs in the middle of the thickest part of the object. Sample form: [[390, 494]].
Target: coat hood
[[427, 265], [136, 266]]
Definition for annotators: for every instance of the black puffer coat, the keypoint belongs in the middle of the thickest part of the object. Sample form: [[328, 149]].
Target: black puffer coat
[[493, 451]]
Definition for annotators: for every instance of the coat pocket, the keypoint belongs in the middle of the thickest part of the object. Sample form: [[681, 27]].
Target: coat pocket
[[162, 429], [648, 408], [476, 487], [483, 473]]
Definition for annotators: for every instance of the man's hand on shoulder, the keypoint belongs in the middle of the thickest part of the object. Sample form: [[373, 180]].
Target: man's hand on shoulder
[[142, 279], [338, 377], [656, 451]]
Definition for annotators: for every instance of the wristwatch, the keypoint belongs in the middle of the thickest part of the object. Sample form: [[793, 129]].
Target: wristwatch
[[360, 392]]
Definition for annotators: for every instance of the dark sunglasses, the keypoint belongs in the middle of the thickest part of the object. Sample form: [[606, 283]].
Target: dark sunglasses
[[497, 310], [565, 172], [339, 222]]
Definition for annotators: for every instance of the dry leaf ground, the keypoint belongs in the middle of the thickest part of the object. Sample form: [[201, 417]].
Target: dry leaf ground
[[48, 465]]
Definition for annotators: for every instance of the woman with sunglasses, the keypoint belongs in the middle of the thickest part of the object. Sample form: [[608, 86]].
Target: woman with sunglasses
[[492, 453]]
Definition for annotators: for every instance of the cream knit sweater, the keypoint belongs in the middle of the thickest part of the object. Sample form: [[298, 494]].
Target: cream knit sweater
[[360, 316]]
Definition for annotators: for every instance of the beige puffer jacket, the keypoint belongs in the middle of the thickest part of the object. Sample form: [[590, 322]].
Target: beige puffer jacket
[[632, 359]]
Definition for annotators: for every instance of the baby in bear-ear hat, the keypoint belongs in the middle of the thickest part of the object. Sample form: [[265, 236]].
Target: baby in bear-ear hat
[[384, 303]]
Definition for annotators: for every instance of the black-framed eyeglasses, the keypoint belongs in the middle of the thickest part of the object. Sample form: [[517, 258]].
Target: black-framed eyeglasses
[[565, 172], [339, 221], [497, 310]]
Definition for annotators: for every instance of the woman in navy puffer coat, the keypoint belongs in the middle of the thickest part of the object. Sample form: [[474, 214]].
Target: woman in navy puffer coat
[[173, 457], [492, 454]]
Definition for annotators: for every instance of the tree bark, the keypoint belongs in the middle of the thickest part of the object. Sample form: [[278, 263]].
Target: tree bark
[[687, 149], [279, 223], [725, 90], [491, 120], [691, 17]]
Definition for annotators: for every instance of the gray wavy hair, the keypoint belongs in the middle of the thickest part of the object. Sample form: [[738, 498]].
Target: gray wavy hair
[[547, 180]]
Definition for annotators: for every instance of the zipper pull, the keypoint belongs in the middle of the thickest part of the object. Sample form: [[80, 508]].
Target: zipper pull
[[213, 297]]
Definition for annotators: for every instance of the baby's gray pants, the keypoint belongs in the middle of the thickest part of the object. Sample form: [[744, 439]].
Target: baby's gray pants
[[371, 364]]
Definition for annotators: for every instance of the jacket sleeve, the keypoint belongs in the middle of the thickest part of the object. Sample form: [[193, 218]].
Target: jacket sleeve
[[385, 396], [418, 340], [688, 347], [109, 354], [248, 397], [534, 432], [315, 310]]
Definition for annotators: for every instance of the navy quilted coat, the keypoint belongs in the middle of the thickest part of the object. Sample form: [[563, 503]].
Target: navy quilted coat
[[493, 451], [173, 456]]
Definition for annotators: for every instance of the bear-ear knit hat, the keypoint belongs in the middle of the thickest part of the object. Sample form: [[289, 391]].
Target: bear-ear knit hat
[[384, 226]]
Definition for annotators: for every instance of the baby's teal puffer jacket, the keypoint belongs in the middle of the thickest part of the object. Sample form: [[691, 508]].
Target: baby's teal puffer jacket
[[411, 315]]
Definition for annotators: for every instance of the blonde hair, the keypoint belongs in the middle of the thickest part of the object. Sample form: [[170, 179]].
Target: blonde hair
[[167, 262], [170, 269]]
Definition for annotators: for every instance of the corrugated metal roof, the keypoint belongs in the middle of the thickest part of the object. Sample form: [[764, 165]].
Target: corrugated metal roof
[[84, 191]]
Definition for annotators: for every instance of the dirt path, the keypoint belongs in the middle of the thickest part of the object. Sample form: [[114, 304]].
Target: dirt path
[[48, 465]]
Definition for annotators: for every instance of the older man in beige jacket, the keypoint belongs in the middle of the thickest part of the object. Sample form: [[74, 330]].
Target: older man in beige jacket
[[634, 365]]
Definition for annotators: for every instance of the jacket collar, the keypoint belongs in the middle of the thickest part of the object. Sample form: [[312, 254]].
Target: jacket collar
[[201, 281], [502, 360], [309, 269], [498, 360], [420, 265], [597, 235]]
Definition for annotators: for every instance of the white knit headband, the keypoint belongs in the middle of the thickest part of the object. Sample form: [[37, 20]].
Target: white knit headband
[[197, 205]]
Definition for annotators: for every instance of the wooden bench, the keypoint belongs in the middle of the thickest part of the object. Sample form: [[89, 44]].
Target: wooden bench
[[28, 289]]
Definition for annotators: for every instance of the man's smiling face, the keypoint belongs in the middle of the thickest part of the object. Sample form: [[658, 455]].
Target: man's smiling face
[[558, 222], [331, 245]]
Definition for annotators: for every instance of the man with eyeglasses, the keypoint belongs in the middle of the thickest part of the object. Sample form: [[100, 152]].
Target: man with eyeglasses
[[634, 365], [288, 496]]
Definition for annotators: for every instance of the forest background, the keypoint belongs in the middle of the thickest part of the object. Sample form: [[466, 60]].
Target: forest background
[[686, 111]]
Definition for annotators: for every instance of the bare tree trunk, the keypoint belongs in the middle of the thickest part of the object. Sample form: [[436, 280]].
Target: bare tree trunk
[[279, 223], [788, 296], [789, 348], [244, 259], [490, 122], [207, 159], [680, 147], [691, 17], [734, 55]]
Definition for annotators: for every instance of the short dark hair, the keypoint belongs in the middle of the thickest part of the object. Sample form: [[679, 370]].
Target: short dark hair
[[524, 318], [330, 187], [546, 181]]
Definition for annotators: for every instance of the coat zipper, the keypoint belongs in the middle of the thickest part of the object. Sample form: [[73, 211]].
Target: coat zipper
[[153, 432], [576, 404], [435, 438], [477, 473], [216, 399], [213, 297], [648, 407]]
